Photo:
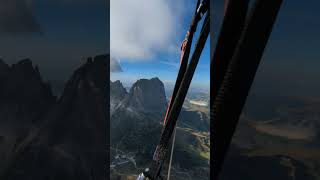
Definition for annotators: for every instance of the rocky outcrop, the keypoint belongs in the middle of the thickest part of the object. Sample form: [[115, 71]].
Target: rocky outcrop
[[148, 96], [137, 113], [117, 90], [24, 100], [70, 142], [117, 94], [23, 83]]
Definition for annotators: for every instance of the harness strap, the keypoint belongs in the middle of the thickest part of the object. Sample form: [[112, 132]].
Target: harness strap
[[162, 148]]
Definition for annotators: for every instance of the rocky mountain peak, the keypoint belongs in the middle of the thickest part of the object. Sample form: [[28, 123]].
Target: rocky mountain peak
[[148, 95], [71, 135], [92, 75], [24, 101], [25, 67], [117, 90], [22, 82]]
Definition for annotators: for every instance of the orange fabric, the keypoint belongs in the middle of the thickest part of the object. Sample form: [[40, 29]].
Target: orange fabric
[[165, 118], [183, 48]]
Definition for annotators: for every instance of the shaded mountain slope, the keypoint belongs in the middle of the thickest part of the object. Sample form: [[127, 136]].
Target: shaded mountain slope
[[118, 94], [24, 100], [71, 141]]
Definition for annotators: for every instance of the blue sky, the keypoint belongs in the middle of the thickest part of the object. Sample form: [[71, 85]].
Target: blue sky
[[165, 62], [166, 66]]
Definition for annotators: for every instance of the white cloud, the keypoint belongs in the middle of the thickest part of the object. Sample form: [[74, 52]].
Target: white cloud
[[172, 64], [142, 28], [115, 65]]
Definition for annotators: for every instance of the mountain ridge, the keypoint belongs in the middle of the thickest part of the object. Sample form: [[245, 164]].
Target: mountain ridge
[[57, 145]]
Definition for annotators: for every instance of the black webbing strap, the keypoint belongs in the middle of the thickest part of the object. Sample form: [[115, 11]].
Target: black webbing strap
[[185, 52], [162, 148], [232, 26], [239, 77]]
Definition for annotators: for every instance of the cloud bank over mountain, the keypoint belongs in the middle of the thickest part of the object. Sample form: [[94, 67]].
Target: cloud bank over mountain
[[142, 28]]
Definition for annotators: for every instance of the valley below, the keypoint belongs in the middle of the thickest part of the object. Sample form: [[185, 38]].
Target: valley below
[[136, 124], [276, 138]]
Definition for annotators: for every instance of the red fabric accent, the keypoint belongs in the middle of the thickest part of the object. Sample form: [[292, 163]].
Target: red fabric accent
[[165, 118], [183, 48]]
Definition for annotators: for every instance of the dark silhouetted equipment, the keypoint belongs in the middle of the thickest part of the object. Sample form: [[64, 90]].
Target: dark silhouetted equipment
[[231, 93], [183, 82], [241, 42]]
